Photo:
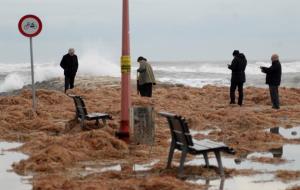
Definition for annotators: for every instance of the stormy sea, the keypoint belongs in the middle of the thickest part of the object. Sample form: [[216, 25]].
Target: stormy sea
[[14, 76]]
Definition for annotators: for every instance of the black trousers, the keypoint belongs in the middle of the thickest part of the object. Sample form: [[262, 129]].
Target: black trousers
[[232, 93], [146, 89], [69, 82], [274, 96]]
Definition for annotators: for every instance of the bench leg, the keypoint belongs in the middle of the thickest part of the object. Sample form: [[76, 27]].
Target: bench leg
[[104, 122], [97, 123], [182, 160], [171, 152], [218, 156], [206, 159], [207, 182], [82, 123], [222, 184]]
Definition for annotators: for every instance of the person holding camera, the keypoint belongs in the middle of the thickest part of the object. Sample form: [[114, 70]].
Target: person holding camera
[[273, 79], [238, 76]]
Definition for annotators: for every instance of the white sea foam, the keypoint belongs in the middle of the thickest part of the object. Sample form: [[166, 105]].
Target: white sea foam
[[10, 68], [11, 82], [195, 82], [196, 74], [90, 63], [219, 68]]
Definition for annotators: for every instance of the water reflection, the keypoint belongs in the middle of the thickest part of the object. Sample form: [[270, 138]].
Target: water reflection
[[277, 152], [209, 183], [241, 158], [9, 179], [273, 152], [274, 130], [291, 133], [260, 181], [130, 167], [289, 152]]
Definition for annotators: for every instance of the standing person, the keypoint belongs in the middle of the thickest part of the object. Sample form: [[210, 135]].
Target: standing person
[[273, 79], [238, 77], [69, 63], [146, 77]]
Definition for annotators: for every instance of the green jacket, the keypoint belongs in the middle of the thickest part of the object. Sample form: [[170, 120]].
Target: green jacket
[[146, 73]]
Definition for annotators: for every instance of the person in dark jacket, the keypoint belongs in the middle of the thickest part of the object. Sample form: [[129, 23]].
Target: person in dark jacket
[[238, 77], [273, 79], [69, 63], [145, 77]]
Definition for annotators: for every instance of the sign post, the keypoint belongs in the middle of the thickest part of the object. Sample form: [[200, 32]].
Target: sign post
[[30, 26], [123, 132]]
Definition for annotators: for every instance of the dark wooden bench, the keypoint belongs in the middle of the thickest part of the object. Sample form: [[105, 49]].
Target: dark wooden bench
[[183, 141], [82, 114]]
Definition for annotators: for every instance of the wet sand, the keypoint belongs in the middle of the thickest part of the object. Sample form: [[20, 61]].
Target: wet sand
[[62, 156]]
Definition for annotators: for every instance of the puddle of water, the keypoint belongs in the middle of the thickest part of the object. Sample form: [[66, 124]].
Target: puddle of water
[[290, 152], [203, 132], [145, 167], [291, 133], [90, 170], [9, 179], [118, 167], [261, 181]]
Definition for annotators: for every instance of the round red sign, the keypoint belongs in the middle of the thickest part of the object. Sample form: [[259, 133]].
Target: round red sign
[[30, 25]]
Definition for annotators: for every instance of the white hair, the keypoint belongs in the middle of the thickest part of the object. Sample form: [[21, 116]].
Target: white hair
[[71, 50]]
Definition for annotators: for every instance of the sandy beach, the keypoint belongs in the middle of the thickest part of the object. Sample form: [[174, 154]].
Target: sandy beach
[[62, 156]]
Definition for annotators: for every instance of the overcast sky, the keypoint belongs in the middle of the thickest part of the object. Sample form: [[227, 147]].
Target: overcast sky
[[160, 29]]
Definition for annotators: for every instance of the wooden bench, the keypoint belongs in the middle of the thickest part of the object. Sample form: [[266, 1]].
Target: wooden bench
[[82, 114], [183, 141]]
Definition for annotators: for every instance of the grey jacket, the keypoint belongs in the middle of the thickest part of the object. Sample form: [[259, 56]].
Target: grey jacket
[[145, 73]]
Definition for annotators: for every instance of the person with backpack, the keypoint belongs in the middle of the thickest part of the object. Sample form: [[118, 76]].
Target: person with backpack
[[238, 76]]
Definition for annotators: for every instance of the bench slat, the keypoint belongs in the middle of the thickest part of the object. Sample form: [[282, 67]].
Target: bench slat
[[209, 143], [176, 125], [97, 115], [204, 146], [180, 137]]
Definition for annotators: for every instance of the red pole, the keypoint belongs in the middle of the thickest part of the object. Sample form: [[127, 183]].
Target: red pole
[[125, 70]]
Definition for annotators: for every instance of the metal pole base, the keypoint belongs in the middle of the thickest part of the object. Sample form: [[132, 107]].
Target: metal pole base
[[123, 133]]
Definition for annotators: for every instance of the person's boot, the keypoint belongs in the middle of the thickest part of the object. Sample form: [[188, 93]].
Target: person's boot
[[240, 103], [276, 107]]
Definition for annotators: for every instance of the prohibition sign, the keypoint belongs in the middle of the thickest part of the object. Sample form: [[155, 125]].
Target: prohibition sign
[[30, 26]]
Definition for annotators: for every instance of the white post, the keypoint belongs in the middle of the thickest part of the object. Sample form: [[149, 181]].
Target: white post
[[32, 77]]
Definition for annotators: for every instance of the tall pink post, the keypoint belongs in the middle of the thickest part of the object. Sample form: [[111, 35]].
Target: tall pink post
[[125, 70]]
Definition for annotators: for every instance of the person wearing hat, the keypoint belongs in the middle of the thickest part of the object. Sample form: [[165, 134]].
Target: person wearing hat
[[69, 63], [273, 79], [145, 77], [238, 77]]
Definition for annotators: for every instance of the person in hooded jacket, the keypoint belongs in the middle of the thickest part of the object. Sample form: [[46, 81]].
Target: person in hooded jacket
[[69, 63], [273, 79], [238, 76], [145, 77]]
